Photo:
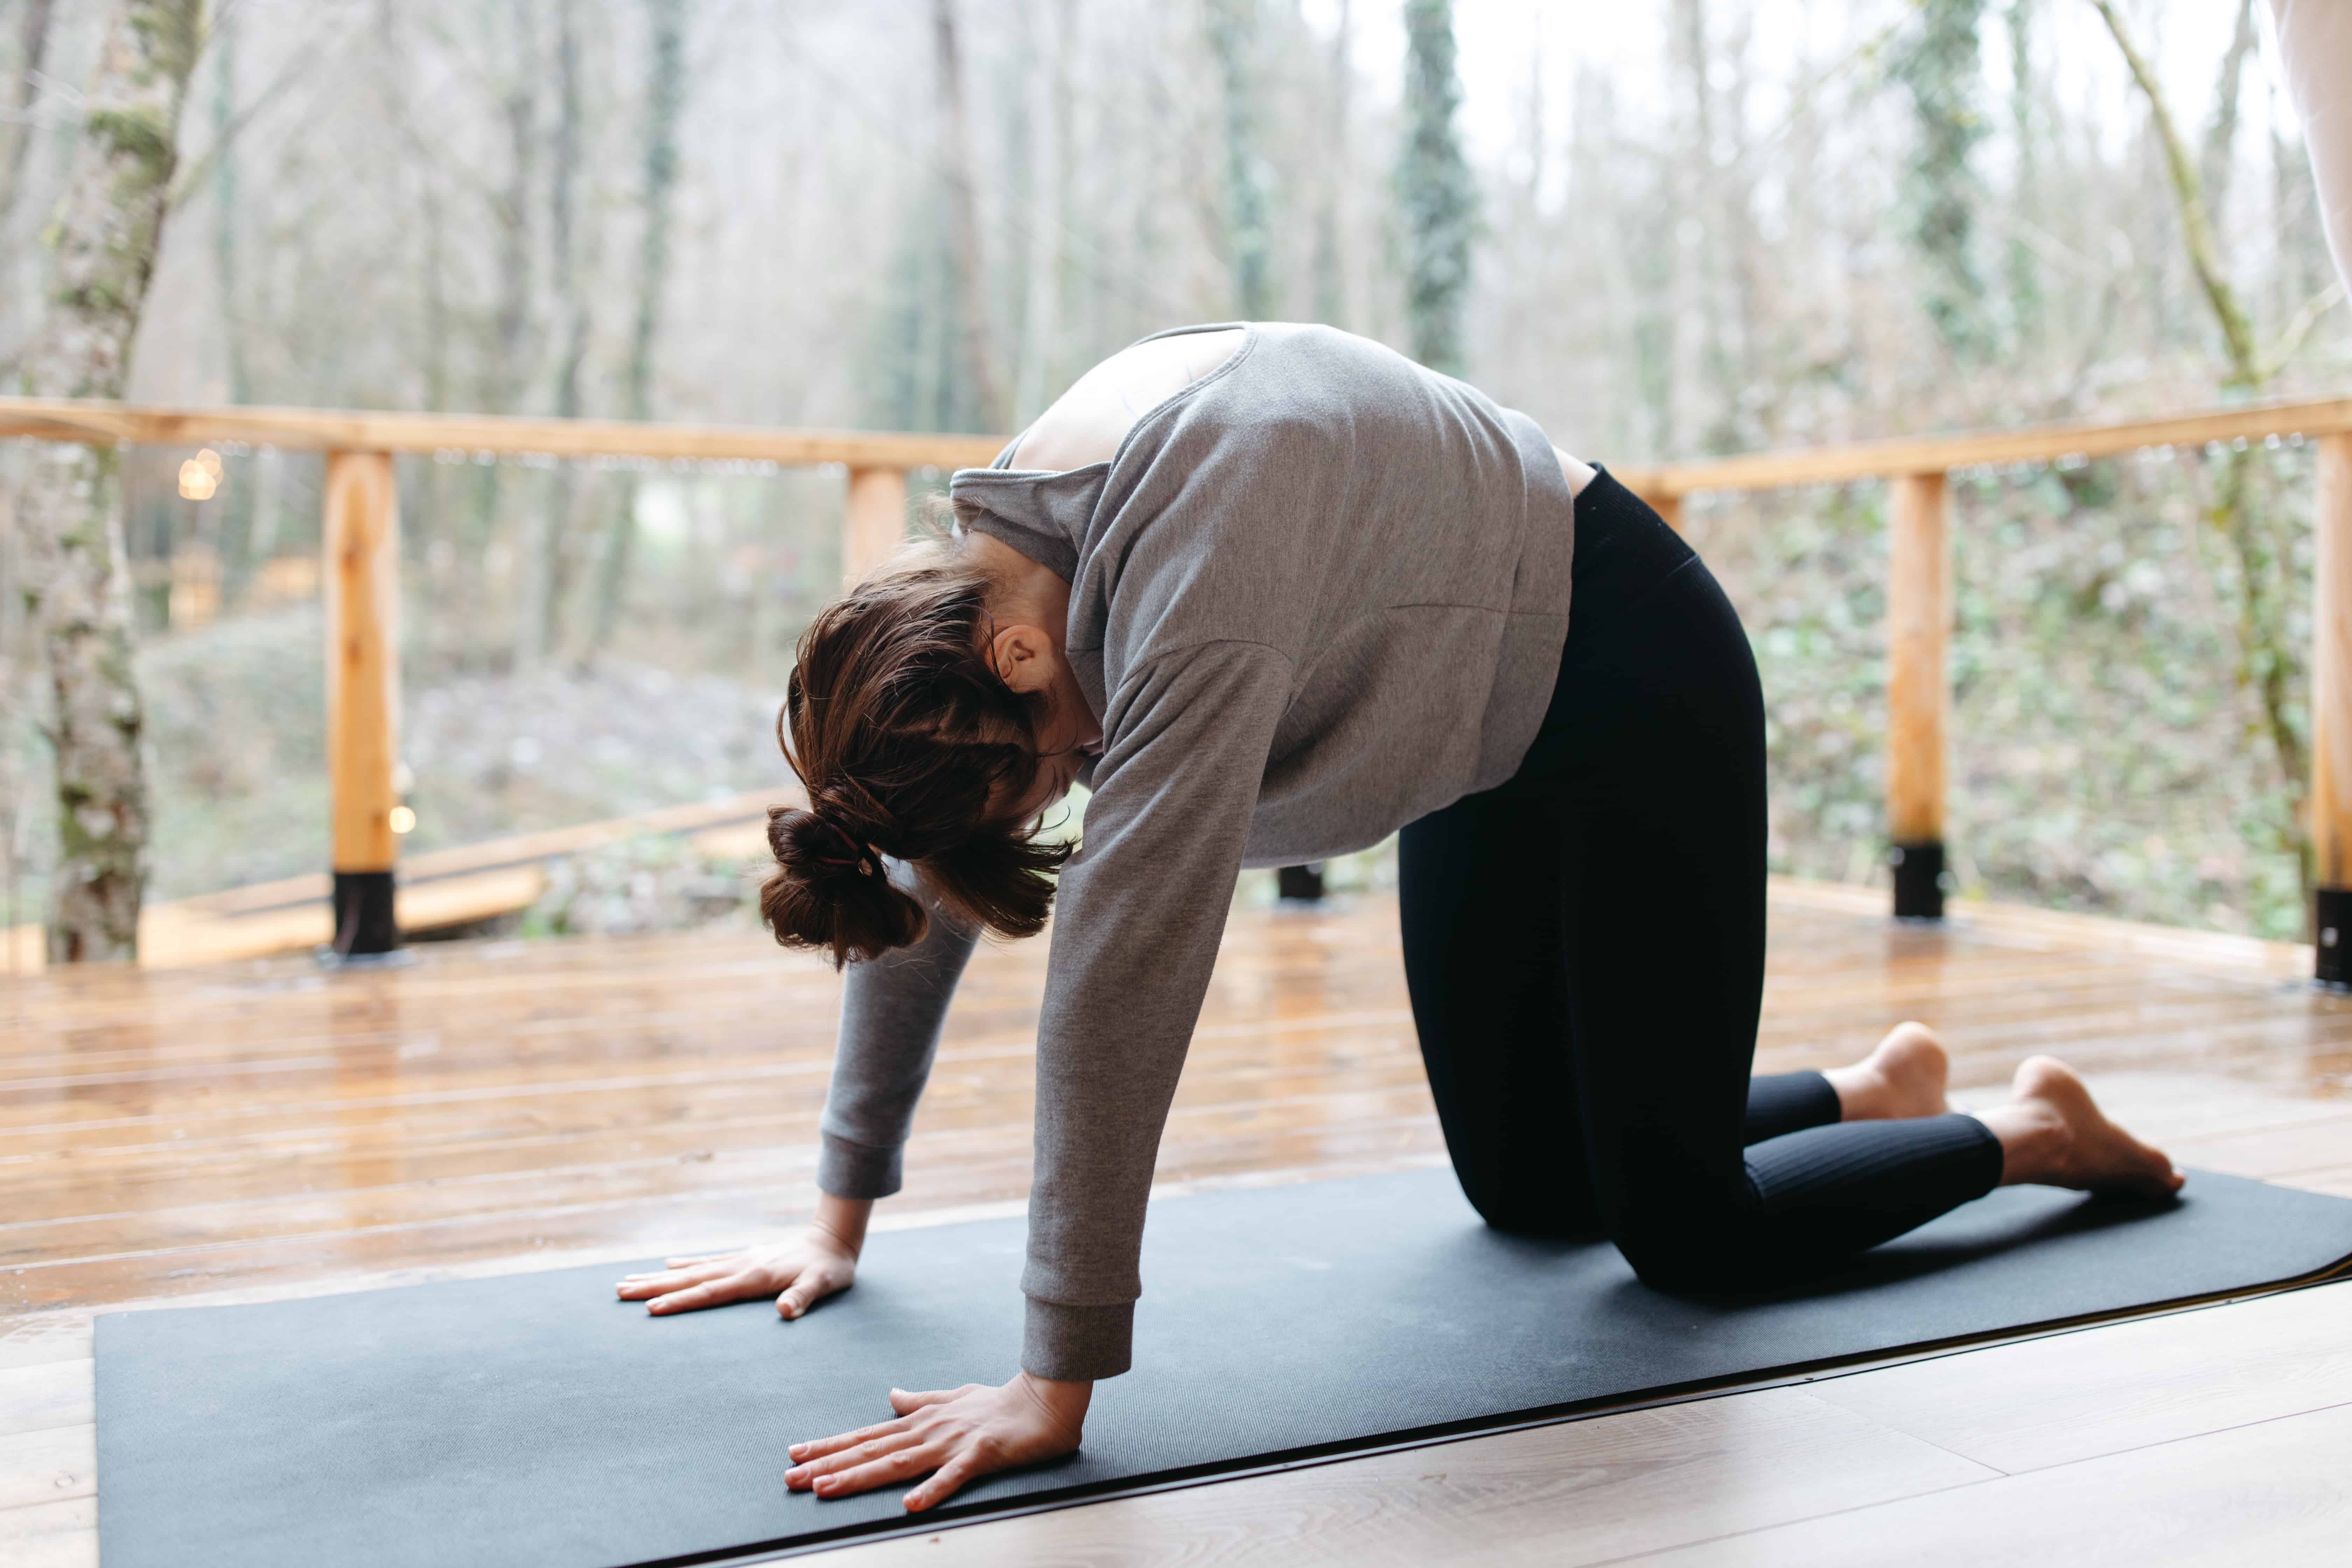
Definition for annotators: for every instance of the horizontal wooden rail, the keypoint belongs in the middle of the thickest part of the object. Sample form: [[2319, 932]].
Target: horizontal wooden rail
[[1938, 454], [90, 420], [367, 818], [101, 423]]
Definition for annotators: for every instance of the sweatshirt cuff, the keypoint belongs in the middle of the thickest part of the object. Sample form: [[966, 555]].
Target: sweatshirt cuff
[[1077, 1345], [848, 1170]]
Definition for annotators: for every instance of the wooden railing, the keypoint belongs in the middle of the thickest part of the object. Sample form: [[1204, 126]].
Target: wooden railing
[[361, 561], [1919, 612]]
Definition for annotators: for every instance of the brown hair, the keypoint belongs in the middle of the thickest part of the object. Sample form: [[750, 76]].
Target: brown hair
[[907, 743]]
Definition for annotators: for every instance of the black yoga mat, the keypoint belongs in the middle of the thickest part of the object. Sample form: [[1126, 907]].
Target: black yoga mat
[[534, 1420]]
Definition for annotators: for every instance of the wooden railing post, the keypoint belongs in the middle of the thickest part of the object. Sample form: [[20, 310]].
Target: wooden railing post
[[363, 604], [877, 519], [2331, 713], [1918, 692]]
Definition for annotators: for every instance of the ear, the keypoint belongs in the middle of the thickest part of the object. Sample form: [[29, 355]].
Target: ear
[[1023, 657]]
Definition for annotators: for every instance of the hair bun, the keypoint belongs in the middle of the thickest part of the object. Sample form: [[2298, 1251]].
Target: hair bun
[[830, 890], [815, 844]]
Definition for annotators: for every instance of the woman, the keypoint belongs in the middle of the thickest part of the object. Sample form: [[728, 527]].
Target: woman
[[1273, 593]]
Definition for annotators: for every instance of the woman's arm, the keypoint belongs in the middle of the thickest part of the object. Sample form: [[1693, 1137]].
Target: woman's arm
[[1136, 928], [892, 1010]]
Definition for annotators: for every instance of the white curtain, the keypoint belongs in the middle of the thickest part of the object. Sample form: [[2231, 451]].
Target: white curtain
[[2315, 43]]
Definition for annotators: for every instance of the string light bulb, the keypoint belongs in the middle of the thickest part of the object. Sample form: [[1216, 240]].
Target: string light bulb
[[200, 475]]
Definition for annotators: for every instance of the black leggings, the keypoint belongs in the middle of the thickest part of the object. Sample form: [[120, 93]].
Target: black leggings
[[1585, 950]]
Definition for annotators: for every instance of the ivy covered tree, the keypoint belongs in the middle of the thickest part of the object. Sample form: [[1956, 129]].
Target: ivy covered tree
[[1940, 67], [1435, 196], [103, 236]]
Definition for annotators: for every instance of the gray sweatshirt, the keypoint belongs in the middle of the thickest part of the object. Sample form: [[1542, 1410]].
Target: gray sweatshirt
[[1315, 595]]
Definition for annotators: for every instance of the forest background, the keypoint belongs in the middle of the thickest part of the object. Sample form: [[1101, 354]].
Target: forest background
[[1669, 229]]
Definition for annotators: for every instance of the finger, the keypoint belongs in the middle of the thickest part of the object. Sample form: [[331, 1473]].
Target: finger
[[903, 1401], [945, 1481], [710, 1293], [802, 1473], [813, 1286], [888, 1470], [817, 1447], [636, 1287], [727, 1260], [699, 1257]]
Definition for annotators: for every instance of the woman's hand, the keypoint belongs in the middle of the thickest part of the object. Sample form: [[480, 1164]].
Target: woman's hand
[[799, 1273], [959, 1435]]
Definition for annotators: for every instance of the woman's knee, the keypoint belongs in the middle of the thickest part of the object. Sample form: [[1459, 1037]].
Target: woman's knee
[[1555, 1215], [1705, 1249]]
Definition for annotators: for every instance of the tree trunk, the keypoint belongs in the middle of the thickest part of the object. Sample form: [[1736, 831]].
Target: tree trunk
[[2025, 208], [505, 374], [543, 629], [1330, 265], [104, 236], [1049, 144], [665, 97], [16, 126], [236, 502], [1941, 67], [2266, 649], [1692, 330], [1232, 39], [1434, 190], [2246, 371], [963, 222], [2221, 155]]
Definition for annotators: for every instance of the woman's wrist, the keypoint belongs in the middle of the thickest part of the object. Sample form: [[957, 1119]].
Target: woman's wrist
[[1063, 1400], [843, 1219]]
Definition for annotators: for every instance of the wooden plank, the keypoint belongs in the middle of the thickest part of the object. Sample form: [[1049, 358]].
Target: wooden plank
[[1586, 1491], [516, 849], [184, 935], [2075, 1396], [363, 607], [437, 889], [2097, 933], [1918, 689], [38, 1341], [59, 1534], [2276, 1492], [47, 1393], [50, 1466], [2320, 1144], [2046, 442], [103, 423]]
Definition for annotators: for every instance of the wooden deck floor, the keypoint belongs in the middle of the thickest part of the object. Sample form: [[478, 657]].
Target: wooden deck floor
[[242, 1134]]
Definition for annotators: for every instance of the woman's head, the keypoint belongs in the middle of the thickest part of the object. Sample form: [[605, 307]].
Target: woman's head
[[930, 727]]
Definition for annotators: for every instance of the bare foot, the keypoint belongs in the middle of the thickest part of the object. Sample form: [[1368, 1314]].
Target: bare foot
[[2052, 1132], [1904, 1077]]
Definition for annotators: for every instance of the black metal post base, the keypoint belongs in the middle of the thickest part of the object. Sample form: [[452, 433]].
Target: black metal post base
[[364, 922], [1918, 880], [2332, 936], [1300, 884]]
